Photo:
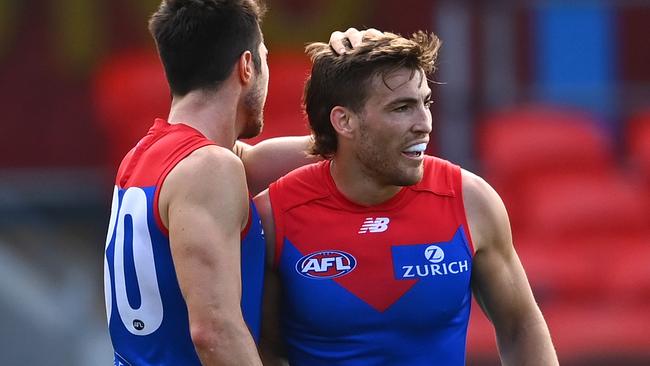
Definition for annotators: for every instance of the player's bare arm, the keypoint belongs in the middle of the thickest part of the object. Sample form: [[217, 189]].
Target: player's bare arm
[[271, 346], [204, 225], [499, 281], [270, 159]]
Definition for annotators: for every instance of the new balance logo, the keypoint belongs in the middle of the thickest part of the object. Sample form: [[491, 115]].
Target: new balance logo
[[378, 225]]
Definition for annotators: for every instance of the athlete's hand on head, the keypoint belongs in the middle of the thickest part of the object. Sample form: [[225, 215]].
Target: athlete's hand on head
[[342, 42]]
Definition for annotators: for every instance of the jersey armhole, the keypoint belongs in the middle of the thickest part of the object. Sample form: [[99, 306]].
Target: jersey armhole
[[278, 225], [457, 178], [244, 232], [174, 161]]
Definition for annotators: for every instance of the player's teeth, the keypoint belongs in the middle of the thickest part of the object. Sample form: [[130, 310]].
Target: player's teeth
[[417, 148]]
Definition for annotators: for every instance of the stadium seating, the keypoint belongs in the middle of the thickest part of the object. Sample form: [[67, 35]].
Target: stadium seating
[[578, 206], [581, 227], [129, 91], [524, 143]]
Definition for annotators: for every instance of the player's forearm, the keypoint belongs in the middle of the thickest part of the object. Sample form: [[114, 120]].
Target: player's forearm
[[527, 345], [225, 342], [273, 158]]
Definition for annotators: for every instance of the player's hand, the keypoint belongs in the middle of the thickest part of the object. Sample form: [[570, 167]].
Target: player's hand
[[342, 42]]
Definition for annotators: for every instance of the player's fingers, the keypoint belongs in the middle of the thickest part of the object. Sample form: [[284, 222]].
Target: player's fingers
[[354, 36], [371, 33], [336, 42]]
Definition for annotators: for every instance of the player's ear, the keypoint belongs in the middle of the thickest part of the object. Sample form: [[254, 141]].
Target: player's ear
[[245, 67], [343, 121]]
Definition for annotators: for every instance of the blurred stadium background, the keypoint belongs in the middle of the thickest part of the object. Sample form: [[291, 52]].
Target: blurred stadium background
[[548, 100]]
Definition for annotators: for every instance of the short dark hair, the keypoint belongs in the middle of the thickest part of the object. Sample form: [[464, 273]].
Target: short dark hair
[[199, 41], [344, 80]]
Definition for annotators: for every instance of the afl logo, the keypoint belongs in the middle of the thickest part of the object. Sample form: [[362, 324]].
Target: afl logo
[[434, 254], [326, 264]]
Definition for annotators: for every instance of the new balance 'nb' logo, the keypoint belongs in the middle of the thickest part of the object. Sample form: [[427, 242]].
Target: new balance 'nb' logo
[[378, 225]]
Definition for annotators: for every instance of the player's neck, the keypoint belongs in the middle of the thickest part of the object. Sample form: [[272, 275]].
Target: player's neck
[[359, 186], [212, 114]]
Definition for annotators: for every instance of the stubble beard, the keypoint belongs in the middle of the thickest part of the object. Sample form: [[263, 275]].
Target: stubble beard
[[254, 106], [379, 165]]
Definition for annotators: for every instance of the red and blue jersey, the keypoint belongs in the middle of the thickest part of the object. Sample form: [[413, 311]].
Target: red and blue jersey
[[381, 285], [147, 315]]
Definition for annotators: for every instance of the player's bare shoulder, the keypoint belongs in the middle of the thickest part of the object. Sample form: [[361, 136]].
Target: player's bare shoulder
[[486, 214], [209, 160], [210, 173]]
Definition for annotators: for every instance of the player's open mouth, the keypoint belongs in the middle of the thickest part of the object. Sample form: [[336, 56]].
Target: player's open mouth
[[415, 151]]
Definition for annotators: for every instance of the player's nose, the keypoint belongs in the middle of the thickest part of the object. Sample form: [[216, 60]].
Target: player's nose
[[422, 122]]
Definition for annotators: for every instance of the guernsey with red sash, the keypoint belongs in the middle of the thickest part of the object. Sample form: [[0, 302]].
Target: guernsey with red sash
[[147, 315], [380, 285]]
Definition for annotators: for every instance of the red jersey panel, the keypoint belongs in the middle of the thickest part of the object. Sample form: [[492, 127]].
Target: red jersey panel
[[378, 285], [147, 314]]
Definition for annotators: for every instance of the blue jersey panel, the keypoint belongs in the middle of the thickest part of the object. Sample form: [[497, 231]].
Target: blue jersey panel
[[252, 268], [148, 320], [426, 326]]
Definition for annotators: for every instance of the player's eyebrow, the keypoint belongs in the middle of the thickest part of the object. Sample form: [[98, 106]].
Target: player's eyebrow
[[404, 100], [408, 100]]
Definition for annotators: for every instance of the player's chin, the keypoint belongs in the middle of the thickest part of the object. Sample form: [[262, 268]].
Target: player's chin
[[252, 130], [411, 175]]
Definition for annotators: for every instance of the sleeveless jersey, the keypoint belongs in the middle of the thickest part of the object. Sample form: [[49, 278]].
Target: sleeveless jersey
[[147, 315], [381, 285]]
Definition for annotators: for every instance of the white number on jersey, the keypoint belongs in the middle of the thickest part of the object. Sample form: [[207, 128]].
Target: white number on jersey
[[147, 318]]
